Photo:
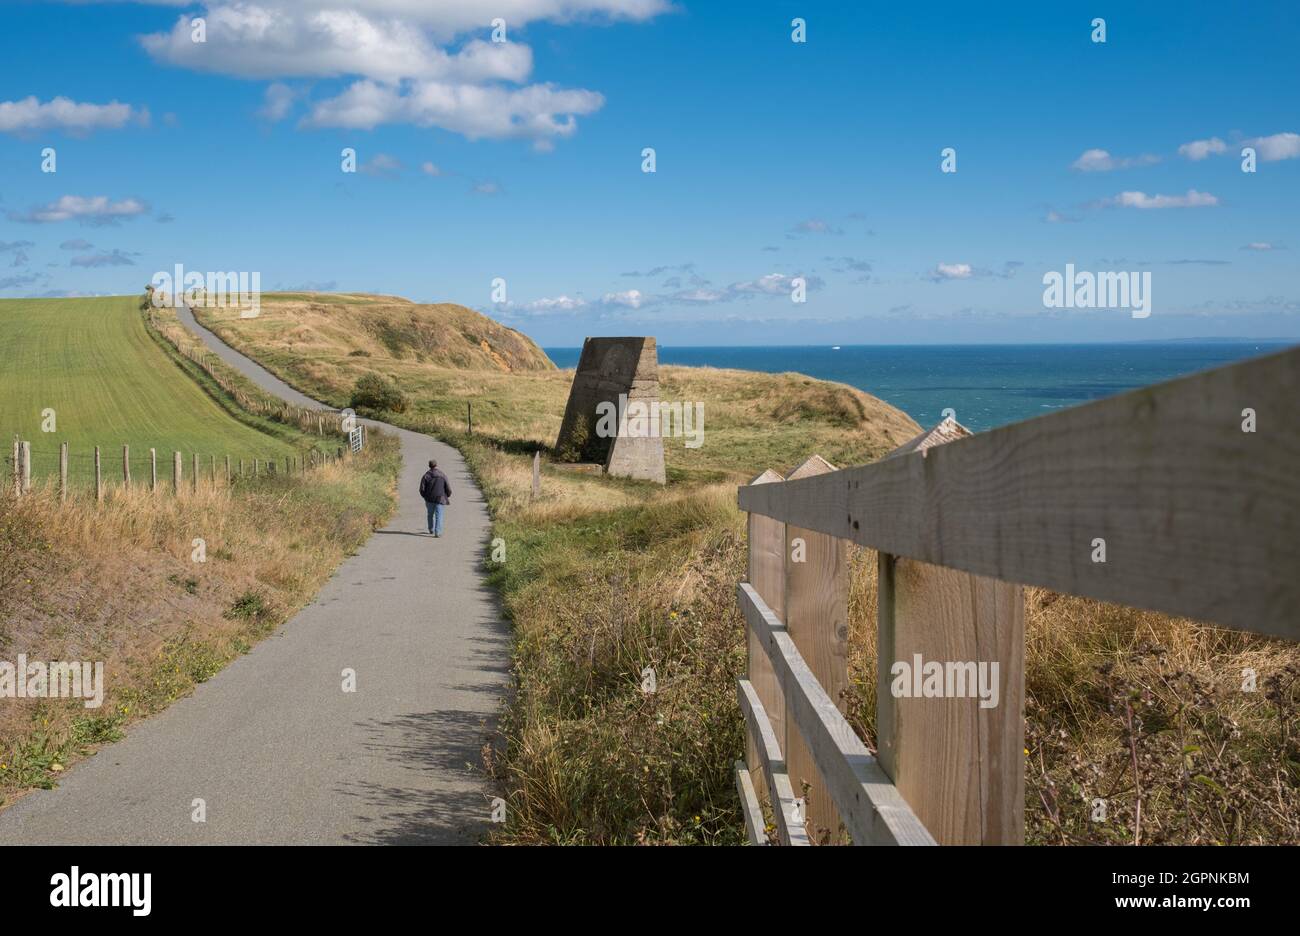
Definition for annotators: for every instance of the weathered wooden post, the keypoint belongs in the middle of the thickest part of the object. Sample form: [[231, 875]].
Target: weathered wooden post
[[537, 474], [767, 576], [241, 468], [126, 465], [288, 465], [27, 467], [99, 479], [227, 471], [18, 471], [958, 763], [153, 470], [213, 468], [469, 417], [176, 473], [63, 471], [194, 470], [254, 467], [816, 615]]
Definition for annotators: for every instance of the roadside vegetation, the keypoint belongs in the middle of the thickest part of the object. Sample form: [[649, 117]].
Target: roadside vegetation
[[604, 578], [124, 581]]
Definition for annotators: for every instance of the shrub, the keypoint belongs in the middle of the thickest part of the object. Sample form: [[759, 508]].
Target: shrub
[[376, 393]]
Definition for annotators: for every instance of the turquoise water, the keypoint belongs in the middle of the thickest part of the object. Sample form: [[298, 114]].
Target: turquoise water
[[987, 385]]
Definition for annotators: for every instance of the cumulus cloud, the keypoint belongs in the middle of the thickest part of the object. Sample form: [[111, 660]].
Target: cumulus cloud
[[1098, 160], [413, 61], [1262, 246], [1200, 149], [1276, 147], [949, 271], [556, 304], [430, 169], [62, 113], [1193, 199], [96, 210]]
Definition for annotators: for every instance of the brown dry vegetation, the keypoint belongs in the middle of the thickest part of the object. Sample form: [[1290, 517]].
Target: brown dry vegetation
[[605, 578]]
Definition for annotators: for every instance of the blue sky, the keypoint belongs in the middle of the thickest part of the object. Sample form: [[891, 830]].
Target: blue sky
[[775, 161]]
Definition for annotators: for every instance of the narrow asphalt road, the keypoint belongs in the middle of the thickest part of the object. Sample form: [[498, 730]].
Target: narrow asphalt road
[[275, 748]]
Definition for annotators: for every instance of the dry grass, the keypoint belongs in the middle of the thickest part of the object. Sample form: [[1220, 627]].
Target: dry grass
[[118, 582]]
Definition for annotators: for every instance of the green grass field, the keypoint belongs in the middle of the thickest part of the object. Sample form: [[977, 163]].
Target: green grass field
[[108, 382]]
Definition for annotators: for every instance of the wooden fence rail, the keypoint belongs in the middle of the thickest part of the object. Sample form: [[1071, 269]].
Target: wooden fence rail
[[1180, 498]]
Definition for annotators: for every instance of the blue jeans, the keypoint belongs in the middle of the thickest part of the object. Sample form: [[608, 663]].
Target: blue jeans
[[435, 517]]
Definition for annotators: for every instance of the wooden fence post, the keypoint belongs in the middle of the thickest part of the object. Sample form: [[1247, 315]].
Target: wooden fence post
[[126, 465], [241, 468], [27, 467], [958, 763], [469, 416], [153, 470], [816, 615], [194, 469], [176, 473], [537, 474], [63, 471], [227, 471], [18, 471], [254, 467], [99, 479], [213, 467], [767, 576]]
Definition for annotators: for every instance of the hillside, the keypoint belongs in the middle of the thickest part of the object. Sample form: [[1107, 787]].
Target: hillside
[[93, 364]]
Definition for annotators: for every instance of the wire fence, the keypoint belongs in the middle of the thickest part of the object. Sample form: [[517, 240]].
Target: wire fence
[[141, 467]]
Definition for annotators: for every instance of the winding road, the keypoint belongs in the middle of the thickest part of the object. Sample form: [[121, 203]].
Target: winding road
[[273, 746]]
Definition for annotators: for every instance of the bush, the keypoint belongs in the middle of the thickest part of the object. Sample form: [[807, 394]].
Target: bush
[[375, 393]]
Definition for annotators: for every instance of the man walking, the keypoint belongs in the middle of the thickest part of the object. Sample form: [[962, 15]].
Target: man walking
[[436, 491]]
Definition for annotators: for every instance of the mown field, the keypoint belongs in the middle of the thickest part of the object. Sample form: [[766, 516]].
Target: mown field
[[119, 581], [603, 578], [108, 383]]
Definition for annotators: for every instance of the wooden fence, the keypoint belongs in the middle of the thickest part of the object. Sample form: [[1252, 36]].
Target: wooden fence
[[203, 469], [1182, 498]]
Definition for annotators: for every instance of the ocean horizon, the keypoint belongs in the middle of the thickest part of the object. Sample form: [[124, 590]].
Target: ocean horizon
[[986, 385]]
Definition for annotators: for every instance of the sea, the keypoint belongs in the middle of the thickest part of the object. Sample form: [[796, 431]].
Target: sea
[[984, 385]]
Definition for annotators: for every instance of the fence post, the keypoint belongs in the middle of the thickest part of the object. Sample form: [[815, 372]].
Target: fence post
[[537, 474], [18, 471], [816, 615], [254, 467], [126, 465], [227, 471], [959, 765], [176, 473], [27, 466], [241, 467], [153, 470], [99, 479], [469, 416], [767, 576], [63, 471], [194, 469], [213, 467]]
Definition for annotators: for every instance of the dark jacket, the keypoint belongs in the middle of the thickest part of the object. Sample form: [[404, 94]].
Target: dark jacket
[[435, 488]]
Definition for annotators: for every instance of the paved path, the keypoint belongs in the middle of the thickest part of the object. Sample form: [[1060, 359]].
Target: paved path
[[275, 748]]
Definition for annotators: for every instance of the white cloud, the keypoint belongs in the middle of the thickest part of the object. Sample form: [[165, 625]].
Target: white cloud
[[630, 298], [1200, 149], [1262, 245], [95, 210], [474, 111], [381, 164], [400, 53], [1276, 147], [1098, 160], [279, 100], [63, 113], [945, 271], [430, 169], [1193, 199], [556, 304]]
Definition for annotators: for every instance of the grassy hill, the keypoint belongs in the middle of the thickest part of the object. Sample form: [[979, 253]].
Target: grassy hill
[[108, 382]]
